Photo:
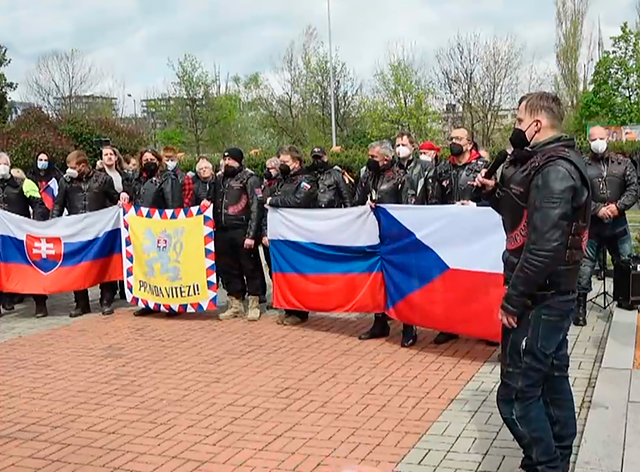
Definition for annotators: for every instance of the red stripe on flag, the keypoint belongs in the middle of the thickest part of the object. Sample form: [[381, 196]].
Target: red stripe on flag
[[459, 301]]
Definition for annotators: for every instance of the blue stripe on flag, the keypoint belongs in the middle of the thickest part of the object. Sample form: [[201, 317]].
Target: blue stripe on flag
[[295, 257], [12, 250]]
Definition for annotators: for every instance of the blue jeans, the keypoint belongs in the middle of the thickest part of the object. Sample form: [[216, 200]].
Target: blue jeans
[[535, 398], [615, 237]]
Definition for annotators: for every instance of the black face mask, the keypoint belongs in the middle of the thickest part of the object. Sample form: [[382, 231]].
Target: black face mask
[[319, 165], [519, 138], [268, 175], [373, 166], [230, 171], [285, 170], [150, 168], [456, 149]]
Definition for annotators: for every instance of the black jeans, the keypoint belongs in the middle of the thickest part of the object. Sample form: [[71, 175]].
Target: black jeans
[[241, 268], [535, 398], [108, 292]]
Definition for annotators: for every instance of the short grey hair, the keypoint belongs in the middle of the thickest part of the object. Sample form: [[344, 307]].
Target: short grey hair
[[385, 148], [273, 161], [4, 154]]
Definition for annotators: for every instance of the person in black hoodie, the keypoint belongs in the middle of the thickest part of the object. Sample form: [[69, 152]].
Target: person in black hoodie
[[46, 176], [299, 189]]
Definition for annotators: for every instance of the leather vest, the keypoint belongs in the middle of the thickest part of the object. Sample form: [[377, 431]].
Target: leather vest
[[513, 196], [456, 180], [233, 204], [386, 187], [607, 178]]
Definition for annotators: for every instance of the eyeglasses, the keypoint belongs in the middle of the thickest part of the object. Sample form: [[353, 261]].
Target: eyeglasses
[[457, 139]]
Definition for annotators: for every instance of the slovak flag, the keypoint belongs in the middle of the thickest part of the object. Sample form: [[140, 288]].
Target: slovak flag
[[326, 260], [49, 192], [60, 255], [443, 267]]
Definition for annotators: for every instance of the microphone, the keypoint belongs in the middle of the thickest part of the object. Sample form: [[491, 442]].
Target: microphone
[[496, 163]]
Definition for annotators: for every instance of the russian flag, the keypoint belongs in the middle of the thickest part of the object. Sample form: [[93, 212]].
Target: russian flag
[[326, 260], [59, 255], [443, 267], [49, 192]]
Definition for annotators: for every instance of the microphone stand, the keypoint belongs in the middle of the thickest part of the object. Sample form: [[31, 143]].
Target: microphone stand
[[607, 298]]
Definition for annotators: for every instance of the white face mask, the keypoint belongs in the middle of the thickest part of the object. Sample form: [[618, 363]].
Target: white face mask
[[599, 146], [403, 152], [72, 173], [426, 157], [171, 165], [5, 171]]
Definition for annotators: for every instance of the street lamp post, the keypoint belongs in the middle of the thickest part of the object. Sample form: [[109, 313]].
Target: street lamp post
[[331, 79], [135, 112]]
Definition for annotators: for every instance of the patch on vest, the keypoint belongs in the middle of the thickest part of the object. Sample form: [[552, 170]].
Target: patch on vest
[[518, 237], [238, 207]]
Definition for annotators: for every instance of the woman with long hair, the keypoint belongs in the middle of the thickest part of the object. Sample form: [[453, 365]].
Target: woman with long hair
[[47, 177], [154, 187]]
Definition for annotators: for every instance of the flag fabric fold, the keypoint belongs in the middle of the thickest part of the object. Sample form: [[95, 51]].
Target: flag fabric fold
[[326, 260], [59, 255]]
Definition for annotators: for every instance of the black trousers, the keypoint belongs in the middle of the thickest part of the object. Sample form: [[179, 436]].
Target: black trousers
[[108, 292], [240, 268], [303, 315]]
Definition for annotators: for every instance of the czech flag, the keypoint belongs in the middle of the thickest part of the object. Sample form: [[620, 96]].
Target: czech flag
[[60, 255], [326, 260], [443, 267]]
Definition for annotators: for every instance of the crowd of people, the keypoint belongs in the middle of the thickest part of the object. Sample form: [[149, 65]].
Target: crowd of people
[[557, 206]]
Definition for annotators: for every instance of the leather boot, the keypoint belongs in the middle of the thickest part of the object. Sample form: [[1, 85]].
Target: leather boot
[[234, 310], [409, 335], [444, 338], [82, 305], [380, 328], [41, 308], [254, 309], [581, 310]]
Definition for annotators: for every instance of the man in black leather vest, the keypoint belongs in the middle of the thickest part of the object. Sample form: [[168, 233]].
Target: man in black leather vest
[[238, 214], [453, 184], [614, 191], [83, 190], [383, 182], [544, 198], [298, 189], [333, 191]]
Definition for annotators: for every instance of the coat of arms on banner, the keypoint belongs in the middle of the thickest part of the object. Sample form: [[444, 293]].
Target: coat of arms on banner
[[44, 253], [169, 258]]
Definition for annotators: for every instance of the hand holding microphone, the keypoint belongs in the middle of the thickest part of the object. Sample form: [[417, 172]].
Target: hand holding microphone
[[485, 178]]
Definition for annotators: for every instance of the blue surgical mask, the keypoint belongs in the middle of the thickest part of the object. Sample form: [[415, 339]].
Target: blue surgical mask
[[43, 165]]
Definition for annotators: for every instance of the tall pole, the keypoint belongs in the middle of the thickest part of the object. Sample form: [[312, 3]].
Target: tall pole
[[331, 79]]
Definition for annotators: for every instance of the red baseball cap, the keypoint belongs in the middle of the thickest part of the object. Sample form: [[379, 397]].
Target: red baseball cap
[[429, 146]]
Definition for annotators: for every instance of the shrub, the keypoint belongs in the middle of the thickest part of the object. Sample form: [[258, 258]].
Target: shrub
[[31, 133]]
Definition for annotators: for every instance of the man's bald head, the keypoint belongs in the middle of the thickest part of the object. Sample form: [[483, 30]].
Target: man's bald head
[[598, 132], [461, 133]]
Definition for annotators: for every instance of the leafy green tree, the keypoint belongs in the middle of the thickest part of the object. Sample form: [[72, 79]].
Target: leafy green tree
[[5, 86], [401, 99], [614, 97]]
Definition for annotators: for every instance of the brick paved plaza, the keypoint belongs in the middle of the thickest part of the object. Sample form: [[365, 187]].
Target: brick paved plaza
[[194, 393]]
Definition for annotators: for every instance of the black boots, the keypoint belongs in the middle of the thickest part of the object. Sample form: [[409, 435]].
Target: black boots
[[444, 338], [41, 307], [82, 304], [380, 328], [409, 335], [581, 310]]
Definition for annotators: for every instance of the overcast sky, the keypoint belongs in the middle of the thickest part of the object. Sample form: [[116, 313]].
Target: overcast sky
[[134, 38]]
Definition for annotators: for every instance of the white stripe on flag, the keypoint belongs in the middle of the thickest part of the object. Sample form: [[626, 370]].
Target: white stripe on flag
[[335, 227]]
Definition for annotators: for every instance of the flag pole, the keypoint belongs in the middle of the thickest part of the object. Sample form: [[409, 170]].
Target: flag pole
[[331, 78]]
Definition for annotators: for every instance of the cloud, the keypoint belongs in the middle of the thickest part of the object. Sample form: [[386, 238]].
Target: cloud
[[133, 39]]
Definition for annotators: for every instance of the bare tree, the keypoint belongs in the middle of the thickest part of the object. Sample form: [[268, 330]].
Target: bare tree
[[59, 77], [570, 22], [481, 76]]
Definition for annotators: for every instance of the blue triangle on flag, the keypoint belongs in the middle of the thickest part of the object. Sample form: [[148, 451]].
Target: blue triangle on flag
[[400, 249]]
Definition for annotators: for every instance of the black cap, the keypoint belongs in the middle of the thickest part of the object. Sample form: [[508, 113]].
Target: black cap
[[234, 153], [318, 151]]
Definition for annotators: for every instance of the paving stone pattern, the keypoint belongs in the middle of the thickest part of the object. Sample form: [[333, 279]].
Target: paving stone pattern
[[469, 436]]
